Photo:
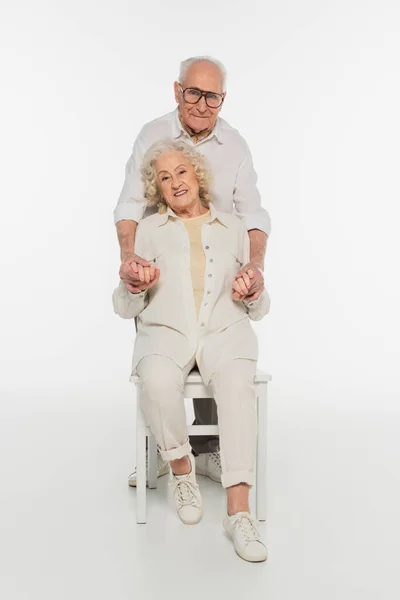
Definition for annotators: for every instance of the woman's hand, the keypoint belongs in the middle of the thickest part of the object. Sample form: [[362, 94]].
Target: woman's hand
[[242, 284], [248, 284], [135, 271], [148, 277]]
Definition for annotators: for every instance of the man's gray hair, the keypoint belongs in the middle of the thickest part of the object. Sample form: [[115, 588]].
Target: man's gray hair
[[195, 59]]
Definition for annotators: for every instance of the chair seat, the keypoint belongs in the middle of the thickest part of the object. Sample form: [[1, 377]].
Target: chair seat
[[195, 377]]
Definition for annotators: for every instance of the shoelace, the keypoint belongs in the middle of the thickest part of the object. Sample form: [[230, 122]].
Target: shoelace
[[246, 526], [184, 490], [215, 457]]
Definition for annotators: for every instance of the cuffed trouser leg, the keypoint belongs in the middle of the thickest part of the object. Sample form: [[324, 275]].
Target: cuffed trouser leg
[[235, 395], [161, 384]]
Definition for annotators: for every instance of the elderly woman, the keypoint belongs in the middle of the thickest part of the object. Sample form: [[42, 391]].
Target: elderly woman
[[195, 315]]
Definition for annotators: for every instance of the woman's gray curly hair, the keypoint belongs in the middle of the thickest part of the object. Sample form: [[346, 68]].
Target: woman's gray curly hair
[[152, 192]]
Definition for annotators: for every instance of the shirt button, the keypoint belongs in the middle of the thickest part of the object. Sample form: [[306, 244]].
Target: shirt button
[[207, 247], [209, 275], [203, 324], [205, 303], [211, 260], [208, 291]]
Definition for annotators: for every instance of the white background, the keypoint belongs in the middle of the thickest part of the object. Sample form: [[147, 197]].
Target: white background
[[314, 88]]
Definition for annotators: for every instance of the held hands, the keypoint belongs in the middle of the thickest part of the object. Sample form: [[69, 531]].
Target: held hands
[[138, 274], [248, 283]]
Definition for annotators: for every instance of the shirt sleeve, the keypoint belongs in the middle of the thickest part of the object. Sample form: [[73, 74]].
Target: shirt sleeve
[[246, 196], [128, 305], [131, 203], [256, 309]]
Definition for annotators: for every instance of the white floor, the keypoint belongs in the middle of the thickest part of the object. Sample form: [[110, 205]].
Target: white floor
[[68, 527]]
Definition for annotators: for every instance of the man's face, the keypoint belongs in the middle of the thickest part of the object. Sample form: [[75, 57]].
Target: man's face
[[203, 76]]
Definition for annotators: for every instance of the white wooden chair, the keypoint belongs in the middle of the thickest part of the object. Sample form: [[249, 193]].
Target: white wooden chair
[[195, 388]]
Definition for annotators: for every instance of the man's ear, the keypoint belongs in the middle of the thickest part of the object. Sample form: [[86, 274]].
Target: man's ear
[[176, 91]]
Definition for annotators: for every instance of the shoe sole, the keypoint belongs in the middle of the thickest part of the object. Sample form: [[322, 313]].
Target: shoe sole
[[247, 559], [241, 554]]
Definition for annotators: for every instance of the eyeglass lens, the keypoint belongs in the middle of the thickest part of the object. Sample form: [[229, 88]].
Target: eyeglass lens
[[192, 96]]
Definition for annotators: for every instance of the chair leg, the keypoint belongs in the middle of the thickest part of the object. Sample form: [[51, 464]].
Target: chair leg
[[140, 462], [152, 461], [261, 465]]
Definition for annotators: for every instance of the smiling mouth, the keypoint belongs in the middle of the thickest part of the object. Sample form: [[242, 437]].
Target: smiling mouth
[[180, 193]]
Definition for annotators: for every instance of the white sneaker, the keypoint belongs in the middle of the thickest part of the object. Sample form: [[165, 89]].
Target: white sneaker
[[242, 528], [209, 464], [187, 495], [162, 469]]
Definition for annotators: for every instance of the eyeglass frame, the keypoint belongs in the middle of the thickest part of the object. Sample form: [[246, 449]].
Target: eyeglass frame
[[203, 93]]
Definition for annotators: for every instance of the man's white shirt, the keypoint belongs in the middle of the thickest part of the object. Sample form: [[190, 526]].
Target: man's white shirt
[[234, 180]]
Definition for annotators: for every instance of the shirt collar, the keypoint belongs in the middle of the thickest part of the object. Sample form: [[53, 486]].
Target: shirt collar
[[218, 215], [214, 215], [178, 130]]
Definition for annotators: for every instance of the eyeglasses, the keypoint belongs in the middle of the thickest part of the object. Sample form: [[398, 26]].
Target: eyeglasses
[[193, 96]]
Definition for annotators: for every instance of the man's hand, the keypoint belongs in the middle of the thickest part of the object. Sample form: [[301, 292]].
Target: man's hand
[[137, 274], [248, 284], [144, 286]]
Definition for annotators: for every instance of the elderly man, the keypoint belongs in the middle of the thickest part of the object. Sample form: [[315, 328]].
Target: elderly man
[[200, 93]]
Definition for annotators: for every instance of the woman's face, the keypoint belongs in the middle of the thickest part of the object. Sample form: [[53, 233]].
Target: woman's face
[[177, 181]]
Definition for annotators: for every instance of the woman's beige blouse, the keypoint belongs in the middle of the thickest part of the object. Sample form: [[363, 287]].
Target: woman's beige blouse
[[194, 227], [167, 323]]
